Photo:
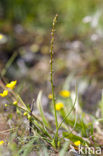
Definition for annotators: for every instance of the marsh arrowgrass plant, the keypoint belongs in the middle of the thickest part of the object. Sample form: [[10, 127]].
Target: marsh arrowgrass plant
[[51, 76], [64, 107], [41, 126]]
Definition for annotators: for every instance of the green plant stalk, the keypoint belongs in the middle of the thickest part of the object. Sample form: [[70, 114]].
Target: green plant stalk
[[51, 74]]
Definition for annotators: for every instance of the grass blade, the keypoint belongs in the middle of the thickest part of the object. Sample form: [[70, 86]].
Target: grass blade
[[46, 123]]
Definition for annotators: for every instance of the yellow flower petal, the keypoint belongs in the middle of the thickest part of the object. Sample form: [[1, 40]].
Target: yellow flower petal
[[1, 142], [77, 143], [11, 85], [64, 93], [5, 93], [59, 106], [50, 96]]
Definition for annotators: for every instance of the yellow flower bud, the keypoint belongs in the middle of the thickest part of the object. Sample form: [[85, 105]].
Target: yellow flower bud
[[25, 113], [15, 103], [29, 117], [6, 105]]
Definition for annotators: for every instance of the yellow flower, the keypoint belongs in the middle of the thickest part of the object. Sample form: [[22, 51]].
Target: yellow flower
[[15, 103], [5, 93], [59, 106], [1, 36], [1, 142], [50, 96], [77, 143], [11, 85], [64, 93], [6, 105], [25, 113]]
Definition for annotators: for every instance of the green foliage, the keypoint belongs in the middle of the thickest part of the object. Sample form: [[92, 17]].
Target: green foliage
[[64, 149], [74, 137], [28, 147]]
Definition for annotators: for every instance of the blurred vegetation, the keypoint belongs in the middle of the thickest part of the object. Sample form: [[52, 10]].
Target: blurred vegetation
[[25, 26], [39, 14]]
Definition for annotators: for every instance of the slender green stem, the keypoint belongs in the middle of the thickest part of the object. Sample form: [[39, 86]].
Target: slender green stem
[[51, 72]]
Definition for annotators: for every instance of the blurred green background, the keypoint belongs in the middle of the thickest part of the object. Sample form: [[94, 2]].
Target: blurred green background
[[39, 14]]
